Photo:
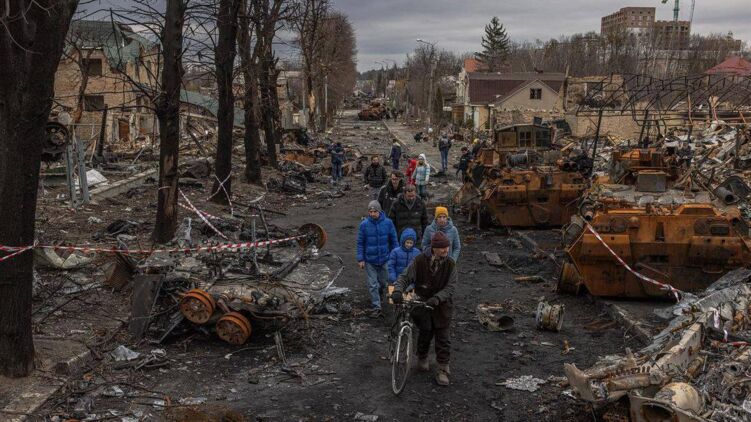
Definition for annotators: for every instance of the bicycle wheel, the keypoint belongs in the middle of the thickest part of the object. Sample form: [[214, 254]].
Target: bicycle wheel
[[402, 359]]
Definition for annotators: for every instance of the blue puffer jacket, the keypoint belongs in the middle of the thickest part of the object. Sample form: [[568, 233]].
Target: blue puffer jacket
[[401, 256], [375, 240], [450, 231]]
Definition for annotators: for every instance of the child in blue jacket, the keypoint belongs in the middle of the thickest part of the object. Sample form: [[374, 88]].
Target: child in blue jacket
[[401, 256]]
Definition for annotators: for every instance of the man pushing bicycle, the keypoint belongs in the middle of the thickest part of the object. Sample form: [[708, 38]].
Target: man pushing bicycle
[[433, 274]]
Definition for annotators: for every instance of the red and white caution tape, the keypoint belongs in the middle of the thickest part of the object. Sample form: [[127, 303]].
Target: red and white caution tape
[[200, 214], [662, 286], [204, 213], [17, 250]]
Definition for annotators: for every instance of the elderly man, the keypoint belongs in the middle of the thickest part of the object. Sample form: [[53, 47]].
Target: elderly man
[[376, 239], [409, 211], [434, 276], [443, 224]]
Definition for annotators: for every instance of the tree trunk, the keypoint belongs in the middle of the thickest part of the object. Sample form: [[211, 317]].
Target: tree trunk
[[267, 108], [167, 107], [31, 47], [224, 55], [252, 138], [276, 113]]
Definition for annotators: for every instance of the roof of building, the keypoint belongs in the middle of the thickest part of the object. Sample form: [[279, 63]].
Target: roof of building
[[732, 66], [210, 104], [485, 88], [120, 44], [472, 65]]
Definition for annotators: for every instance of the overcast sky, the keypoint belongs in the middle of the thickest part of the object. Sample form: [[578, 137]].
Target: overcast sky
[[387, 29]]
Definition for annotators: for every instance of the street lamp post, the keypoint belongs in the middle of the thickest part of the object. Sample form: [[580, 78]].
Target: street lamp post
[[431, 80]]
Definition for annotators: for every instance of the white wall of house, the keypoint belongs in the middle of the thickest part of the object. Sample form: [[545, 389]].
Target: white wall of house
[[521, 99]]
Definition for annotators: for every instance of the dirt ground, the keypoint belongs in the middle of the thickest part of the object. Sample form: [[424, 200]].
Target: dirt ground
[[336, 364]]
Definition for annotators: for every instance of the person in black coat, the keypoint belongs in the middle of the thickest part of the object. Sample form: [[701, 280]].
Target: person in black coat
[[409, 211], [391, 191]]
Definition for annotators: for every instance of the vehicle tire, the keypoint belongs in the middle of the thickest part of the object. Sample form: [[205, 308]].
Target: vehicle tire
[[402, 359]]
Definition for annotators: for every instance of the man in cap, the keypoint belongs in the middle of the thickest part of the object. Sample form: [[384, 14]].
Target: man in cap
[[376, 239], [434, 276]]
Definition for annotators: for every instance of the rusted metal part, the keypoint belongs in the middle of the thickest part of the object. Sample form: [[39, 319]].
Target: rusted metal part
[[197, 306], [688, 247], [374, 111], [538, 197], [627, 165], [234, 328], [57, 139], [549, 317]]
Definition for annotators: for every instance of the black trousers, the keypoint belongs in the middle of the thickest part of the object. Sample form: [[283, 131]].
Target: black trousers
[[427, 333]]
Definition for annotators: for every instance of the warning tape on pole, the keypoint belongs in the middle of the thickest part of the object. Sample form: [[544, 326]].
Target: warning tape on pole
[[223, 247], [204, 213], [205, 220], [676, 293]]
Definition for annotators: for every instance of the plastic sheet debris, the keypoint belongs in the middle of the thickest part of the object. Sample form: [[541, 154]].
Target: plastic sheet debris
[[523, 383], [123, 354], [49, 258]]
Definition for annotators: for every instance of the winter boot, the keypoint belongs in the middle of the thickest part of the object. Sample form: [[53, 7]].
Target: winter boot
[[442, 375], [423, 365]]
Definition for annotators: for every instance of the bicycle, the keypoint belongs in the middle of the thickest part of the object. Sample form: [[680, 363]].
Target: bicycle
[[400, 343]]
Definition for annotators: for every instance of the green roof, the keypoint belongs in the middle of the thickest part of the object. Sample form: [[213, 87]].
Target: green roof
[[118, 41], [210, 104]]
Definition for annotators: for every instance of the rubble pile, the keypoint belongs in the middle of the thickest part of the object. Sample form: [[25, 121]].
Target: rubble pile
[[696, 369]]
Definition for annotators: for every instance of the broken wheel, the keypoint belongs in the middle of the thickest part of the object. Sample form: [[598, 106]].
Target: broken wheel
[[233, 328], [313, 235], [197, 306]]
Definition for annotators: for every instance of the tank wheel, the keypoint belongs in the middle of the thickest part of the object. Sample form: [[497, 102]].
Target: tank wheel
[[233, 328], [197, 306], [314, 235]]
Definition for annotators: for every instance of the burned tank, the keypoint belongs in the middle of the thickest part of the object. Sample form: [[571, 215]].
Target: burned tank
[[521, 181], [627, 237]]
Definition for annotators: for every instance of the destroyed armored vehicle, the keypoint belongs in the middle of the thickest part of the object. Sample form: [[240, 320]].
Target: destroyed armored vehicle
[[632, 240], [521, 181], [374, 111]]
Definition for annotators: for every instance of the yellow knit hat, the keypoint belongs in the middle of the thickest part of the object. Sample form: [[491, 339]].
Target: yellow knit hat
[[441, 210]]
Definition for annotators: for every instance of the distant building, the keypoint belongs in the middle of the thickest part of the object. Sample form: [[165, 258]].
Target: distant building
[[640, 24], [733, 66], [479, 95]]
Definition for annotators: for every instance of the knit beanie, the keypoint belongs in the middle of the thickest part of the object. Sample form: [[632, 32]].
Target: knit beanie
[[441, 211], [374, 206], [439, 241]]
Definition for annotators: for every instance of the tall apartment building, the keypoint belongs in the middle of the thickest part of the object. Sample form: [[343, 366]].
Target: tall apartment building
[[641, 25]]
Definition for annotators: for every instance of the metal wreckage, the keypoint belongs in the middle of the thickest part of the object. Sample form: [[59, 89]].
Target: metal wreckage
[[663, 217]]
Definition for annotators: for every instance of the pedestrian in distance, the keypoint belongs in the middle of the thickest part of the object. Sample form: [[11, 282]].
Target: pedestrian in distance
[[443, 224], [376, 238], [337, 161], [403, 255], [444, 145], [464, 160], [409, 211], [390, 191], [410, 173], [422, 176], [375, 176], [434, 276], [395, 155]]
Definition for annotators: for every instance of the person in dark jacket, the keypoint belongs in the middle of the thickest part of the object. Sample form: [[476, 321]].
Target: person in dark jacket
[[409, 211], [337, 160], [390, 191], [376, 238], [444, 145], [403, 255], [375, 176], [396, 155], [434, 276], [463, 162]]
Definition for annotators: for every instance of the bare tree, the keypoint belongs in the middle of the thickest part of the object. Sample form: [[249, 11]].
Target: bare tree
[[309, 26], [252, 138], [338, 66], [225, 58], [31, 43]]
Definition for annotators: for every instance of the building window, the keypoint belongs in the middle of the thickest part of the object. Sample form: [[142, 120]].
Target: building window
[[93, 102], [535, 94], [525, 138], [93, 66]]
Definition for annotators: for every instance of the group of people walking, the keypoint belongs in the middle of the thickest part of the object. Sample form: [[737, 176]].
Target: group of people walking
[[397, 244]]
